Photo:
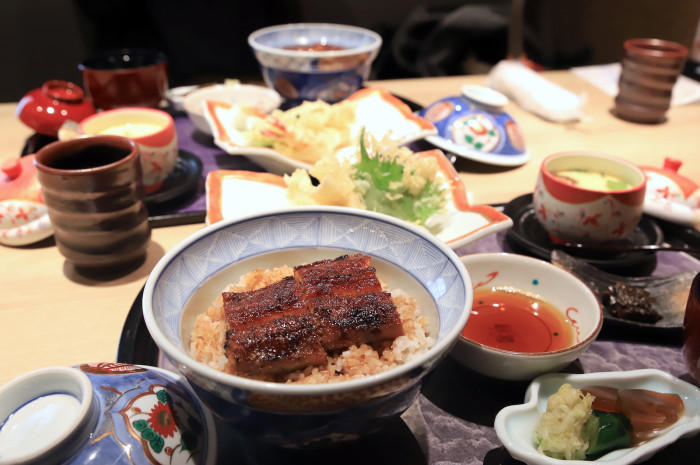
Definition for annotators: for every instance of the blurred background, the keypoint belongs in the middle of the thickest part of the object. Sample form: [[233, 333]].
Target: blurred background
[[206, 40]]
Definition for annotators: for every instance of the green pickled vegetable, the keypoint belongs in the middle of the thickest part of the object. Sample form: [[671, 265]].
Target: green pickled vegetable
[[606, 432]]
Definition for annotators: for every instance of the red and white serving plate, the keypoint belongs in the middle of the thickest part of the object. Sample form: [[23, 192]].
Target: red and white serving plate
[[377, 110], [235, 194], [671, 196]]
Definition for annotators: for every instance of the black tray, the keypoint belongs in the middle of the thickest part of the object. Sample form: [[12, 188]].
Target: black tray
[[444, 421], [529, 237]]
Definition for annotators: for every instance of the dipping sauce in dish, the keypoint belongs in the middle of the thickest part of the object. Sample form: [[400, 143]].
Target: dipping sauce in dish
[[317, 47], [508, 319], [132, 129], [594, 180]]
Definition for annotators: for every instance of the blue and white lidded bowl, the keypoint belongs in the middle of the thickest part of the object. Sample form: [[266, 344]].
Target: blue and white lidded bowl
[[104, 413], [475, 125]]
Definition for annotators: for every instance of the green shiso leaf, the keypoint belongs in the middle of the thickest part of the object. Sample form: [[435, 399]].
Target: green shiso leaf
[[379, 180]]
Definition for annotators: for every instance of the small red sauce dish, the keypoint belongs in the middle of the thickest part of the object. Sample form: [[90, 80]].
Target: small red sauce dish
[[46, 108], [528, 317]]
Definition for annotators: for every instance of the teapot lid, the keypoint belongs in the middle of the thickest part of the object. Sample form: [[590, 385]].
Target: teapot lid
[[18, 179]]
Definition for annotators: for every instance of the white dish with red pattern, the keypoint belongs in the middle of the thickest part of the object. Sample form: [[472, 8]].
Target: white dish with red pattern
[[228, 195], [24, 218], [577, 213], [378, 111], [562, 290]]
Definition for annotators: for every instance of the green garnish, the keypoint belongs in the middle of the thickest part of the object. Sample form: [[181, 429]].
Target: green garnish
[[379, 180], [616, 185], [607, 431]]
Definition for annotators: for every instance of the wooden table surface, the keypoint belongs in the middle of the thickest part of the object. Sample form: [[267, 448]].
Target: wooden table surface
[[49, 315]]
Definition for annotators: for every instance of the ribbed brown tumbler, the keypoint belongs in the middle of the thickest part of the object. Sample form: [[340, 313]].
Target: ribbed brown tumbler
[[650, 68], [94, 193]]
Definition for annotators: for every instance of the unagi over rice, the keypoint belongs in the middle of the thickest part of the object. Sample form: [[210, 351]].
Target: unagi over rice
[[326, 321]]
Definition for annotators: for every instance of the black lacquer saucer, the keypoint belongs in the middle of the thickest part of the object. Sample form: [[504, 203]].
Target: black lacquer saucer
[[529, 237], [182, 181]]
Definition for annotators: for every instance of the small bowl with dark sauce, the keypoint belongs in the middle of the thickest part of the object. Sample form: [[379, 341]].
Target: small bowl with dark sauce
[[528, 317], [315, 61]]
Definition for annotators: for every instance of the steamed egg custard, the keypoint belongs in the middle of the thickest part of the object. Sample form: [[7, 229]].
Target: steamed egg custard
[[131, 130], [593, 180]]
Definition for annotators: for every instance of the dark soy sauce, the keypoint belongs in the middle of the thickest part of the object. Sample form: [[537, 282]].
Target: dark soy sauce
[[89, 157]]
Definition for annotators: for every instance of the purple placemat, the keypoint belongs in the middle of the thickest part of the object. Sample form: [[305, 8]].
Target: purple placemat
[[194, 141]]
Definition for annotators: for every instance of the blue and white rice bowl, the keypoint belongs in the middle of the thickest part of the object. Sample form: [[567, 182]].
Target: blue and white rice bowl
[[329, 75], [406, 257]]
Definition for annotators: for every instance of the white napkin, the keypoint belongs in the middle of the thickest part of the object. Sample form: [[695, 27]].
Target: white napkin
[[534, 93]]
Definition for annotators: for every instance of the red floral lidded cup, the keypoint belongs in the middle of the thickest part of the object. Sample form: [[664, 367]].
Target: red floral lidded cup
[[589, 197], [153, 131]]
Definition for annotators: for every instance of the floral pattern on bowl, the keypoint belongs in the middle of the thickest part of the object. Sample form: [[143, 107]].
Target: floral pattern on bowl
[[108, 412], [377, 110], [475, 126], [515, 424]]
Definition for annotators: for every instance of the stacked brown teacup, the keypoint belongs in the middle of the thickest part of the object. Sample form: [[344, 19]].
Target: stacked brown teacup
[[94, 193], [650, 68]]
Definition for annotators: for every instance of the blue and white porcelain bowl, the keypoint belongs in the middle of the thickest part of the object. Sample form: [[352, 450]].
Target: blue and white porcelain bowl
[[190, 276], [475, 125], [104, 413], [331, 73]]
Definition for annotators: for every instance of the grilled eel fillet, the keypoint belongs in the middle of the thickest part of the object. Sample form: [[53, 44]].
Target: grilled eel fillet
[[325, 306]]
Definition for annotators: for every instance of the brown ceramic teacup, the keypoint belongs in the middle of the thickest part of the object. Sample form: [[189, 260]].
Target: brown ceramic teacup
[[650, 68], [94, 193], [691, 330]]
